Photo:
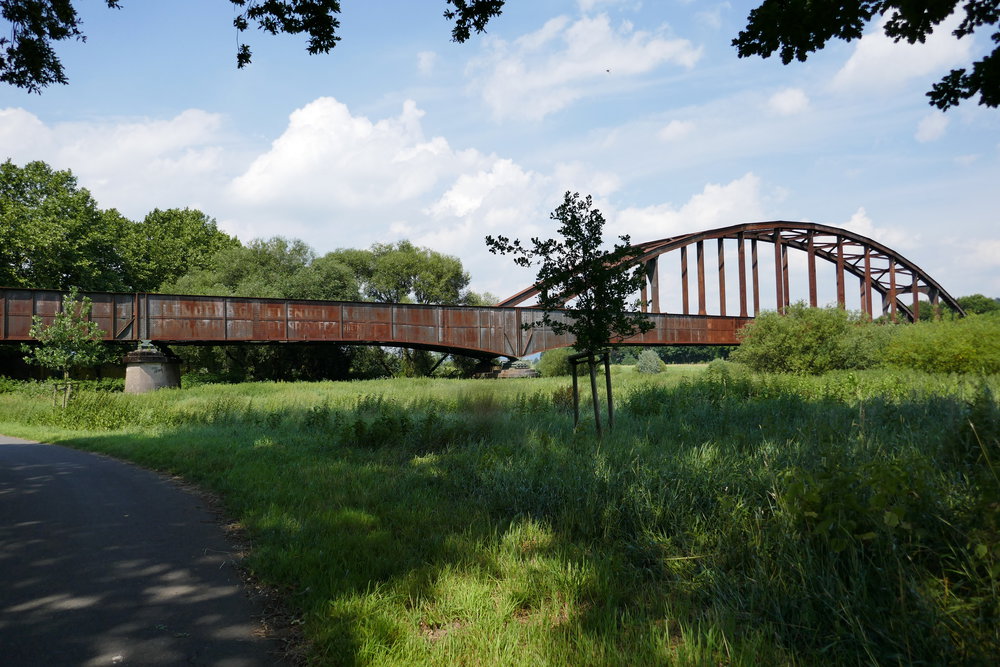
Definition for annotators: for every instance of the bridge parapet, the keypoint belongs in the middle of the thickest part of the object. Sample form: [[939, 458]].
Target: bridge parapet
[[170, 319]]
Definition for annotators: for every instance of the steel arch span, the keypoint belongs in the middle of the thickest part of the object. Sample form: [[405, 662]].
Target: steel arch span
[[877, 268], [172, 319]]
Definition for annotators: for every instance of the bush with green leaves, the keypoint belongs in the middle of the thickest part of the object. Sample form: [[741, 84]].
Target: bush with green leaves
[[70, 340], [555, 362], [967, 345], [8, 385], [649, 362], [811, 340]]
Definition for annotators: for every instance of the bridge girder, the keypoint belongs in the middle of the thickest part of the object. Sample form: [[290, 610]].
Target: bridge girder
[[173, 319]]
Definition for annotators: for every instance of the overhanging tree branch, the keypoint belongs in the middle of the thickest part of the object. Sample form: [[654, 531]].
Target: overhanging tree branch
[[28, 57], [794, 29]]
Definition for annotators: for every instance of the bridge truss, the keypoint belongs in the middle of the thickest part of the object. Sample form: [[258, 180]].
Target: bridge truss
[[878, 269]]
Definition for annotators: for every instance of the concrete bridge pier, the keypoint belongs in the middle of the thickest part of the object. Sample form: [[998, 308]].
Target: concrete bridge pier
[[150, 368]]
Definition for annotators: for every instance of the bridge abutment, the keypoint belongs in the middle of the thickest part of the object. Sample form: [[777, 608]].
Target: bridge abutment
[[149, 368]]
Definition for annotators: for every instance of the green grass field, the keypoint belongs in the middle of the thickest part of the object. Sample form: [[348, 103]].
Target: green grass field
[[728, 518]]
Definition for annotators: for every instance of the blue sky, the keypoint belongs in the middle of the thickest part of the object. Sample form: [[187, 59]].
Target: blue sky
[[400, 133]]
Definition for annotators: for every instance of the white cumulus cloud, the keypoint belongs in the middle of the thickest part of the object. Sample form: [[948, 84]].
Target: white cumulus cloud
[[895, 238], [337, 179], [713, 17], [426, 61], [986, 253], [133, 165], [328, 156], [880, 63], [471, 191], [931, 127], [565, 61], [675, 130], [717, 205], [788, 102]]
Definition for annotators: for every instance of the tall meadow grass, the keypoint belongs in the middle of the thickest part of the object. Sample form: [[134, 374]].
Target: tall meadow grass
[[728, 517]]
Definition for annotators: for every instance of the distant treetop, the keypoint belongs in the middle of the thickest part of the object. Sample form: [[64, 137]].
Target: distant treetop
[[979, 304]]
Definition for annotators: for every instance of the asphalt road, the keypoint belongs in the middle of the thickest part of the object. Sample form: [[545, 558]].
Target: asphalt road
[[104, 563]]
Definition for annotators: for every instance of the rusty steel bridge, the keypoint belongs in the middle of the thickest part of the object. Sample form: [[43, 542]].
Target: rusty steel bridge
[[869, 267]]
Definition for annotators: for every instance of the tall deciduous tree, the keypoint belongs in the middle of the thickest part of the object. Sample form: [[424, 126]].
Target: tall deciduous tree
[[402, 272], [53, 235], [274, 268], [175, 242], [28, 58]]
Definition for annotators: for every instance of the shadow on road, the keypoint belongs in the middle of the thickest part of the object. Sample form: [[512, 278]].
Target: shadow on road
[[104, 563]]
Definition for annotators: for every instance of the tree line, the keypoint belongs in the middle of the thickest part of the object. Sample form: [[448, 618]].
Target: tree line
[[53, 235]]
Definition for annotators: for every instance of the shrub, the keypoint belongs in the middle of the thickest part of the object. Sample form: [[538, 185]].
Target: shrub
[[7, 385], [555, 362], [649, 362], [863, 344], [811, 340], [968, 345]]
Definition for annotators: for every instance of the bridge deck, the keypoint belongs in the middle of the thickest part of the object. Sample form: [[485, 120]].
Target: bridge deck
[[178, 320]]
